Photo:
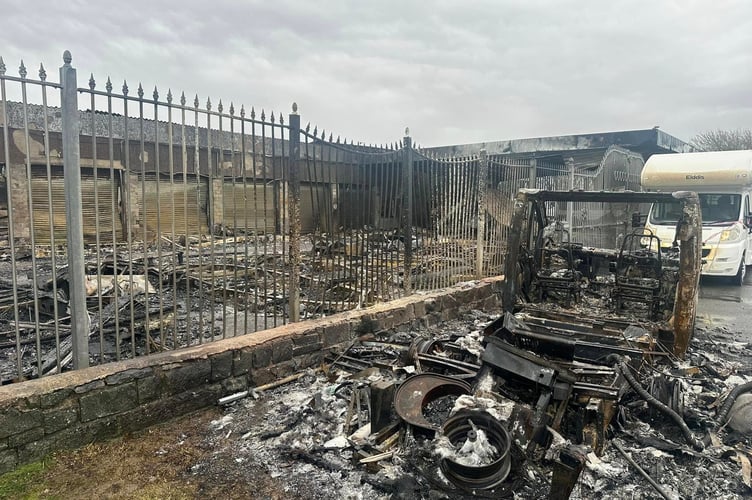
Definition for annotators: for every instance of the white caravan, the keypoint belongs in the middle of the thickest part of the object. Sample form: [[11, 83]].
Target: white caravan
[[723, 180]]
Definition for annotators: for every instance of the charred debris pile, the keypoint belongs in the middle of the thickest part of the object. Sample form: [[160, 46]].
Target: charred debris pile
[[542, 403], [178, 292]]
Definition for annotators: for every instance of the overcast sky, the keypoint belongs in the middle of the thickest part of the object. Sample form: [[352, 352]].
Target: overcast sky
[[453, 71]]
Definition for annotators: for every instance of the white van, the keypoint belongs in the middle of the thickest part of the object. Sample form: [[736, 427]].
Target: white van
[[723, 180]]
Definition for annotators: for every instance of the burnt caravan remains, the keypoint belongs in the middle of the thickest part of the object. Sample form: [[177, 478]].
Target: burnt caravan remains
[[640, 277]]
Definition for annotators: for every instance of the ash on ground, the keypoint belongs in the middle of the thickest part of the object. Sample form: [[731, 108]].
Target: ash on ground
[[313, 435]]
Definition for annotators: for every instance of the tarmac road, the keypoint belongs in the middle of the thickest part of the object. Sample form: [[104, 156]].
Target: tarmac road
[[723, 305]]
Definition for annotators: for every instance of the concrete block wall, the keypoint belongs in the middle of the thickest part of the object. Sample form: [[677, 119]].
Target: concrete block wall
[[76, 408]]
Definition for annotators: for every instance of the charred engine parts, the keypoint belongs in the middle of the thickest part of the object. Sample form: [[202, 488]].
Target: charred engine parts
[[621, 365], [419, 390], [483, 448], [567, 470], [443, 357]]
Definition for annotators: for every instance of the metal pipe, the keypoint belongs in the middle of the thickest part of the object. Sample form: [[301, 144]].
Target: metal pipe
[[129, 219], [642, 472], [158, 208], [53, 252], [174, 257], [115, 215], [199, 216], [729, 401], [184, 196], [279, 222], [244, 177], [32, 229], [145, 224], [97, 236], [264, 180], [235, 228], [212, 210], [10, 206], [622, 367]]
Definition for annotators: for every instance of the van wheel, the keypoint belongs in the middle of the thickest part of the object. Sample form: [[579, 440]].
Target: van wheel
[[738, 280]]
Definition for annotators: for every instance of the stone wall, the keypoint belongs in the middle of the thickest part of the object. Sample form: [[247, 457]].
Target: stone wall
[[80, 407]]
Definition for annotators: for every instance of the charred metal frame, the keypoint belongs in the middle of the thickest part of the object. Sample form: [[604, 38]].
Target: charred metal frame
[[528, 209]]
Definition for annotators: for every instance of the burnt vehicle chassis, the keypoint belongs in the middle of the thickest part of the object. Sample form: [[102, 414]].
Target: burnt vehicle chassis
[[541, 268]]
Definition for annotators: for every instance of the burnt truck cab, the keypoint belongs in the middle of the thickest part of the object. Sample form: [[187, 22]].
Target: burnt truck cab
[[630, 278]]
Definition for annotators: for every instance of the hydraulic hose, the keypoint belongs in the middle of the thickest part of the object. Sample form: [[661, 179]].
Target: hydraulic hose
[[622, 367], [729, 402]]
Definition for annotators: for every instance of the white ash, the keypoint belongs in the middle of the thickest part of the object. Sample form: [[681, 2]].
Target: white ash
[[471, 452], [471, 343], [502, 411]]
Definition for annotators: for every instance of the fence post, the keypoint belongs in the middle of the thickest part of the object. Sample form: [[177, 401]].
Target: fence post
[[73, 213], [482, 187], [407, 209], [569, 162], [293, 206], [533, 173]]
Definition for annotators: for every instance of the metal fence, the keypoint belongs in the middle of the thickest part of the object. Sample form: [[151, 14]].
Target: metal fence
[[135, 222]]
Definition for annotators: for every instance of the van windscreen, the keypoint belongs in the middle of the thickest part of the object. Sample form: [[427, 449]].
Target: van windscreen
[[715, 208]]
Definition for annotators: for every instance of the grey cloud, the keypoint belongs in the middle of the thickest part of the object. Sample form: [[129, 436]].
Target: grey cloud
[[454, 71]]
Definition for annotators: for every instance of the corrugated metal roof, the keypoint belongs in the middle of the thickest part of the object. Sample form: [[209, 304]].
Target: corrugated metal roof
[[584, 159]]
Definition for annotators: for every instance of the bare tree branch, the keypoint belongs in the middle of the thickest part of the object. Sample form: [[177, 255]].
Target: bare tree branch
[[723, 140]]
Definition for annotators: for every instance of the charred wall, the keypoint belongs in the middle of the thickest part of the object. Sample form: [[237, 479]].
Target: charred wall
[[201, 189]]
